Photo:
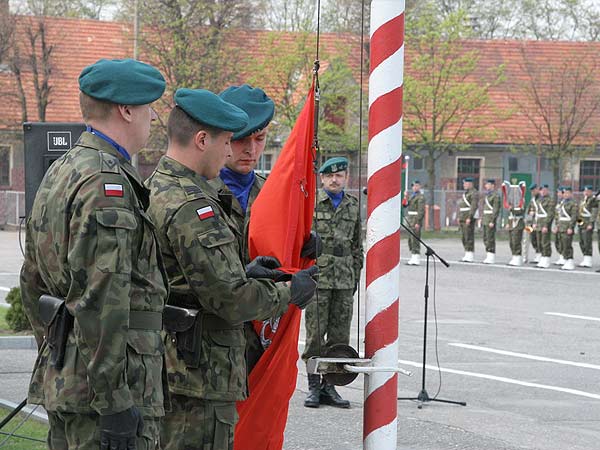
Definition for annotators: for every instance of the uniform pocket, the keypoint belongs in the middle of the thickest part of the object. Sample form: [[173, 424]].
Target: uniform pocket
[[225, 420], [227, 353], [145, 368], [223, 252], [113, 251]]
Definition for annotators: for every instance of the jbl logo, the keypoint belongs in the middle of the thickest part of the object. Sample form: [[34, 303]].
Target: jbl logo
[[59, 140]]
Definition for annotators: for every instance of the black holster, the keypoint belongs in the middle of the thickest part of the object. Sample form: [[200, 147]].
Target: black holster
[[184, 325], [59, 323]]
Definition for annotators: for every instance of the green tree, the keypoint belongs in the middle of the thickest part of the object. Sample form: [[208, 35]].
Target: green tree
[[344, 16], [69, 8], [441, 95], [15, 316]]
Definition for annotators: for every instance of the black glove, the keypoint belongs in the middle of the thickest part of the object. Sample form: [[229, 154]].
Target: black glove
[[304, 285], [313, 247], [119, 431], [264, 267]]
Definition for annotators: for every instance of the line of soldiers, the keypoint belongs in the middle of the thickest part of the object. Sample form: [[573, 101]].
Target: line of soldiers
[[536, 222]]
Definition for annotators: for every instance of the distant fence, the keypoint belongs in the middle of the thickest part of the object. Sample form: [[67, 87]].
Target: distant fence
[[12, 207]]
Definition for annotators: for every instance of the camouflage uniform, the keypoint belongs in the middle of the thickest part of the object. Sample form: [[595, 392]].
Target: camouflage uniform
[[516, 225], [558, 241], [339, 273], [415, 213], [543, 218], [567, 218], [491, 210], [530, 219], [585, 219], [200, 247], [467, 208], [98, 251]]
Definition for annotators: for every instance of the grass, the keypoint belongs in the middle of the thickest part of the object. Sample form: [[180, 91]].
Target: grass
[[31, 428], [4, 328]]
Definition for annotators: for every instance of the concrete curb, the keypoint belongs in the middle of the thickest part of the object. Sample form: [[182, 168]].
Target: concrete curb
[[39, 414], [17, 343]]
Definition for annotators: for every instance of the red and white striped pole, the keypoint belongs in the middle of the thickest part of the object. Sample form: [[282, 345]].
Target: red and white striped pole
[[383, 221]]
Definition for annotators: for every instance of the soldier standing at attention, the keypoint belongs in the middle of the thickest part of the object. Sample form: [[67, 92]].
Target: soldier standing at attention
[[491, 210], [211, 291], [543, 225], [585, 221], [337, 221], [415, 207], [91, 247], [558, 241], [530, 221], [567, 219], [467, 208], [240, 184], [516, 226]]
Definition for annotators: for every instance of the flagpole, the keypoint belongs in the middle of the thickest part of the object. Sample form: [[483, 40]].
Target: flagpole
[[383, 222]]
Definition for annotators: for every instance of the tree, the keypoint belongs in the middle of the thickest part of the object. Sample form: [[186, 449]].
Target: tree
[[291, 15], [69, 8], [344, 16], [561, 100], [441, 93]]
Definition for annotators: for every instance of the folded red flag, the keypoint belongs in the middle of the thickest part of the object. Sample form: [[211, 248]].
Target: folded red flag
[[280, 222]]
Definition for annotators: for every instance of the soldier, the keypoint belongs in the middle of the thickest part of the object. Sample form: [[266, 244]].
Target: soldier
[[543, 225], [212, 293], [415, 207], [239, 181], [567, 219], [585, 221], [467, 207], [530, 223], [516, 226], [558, 241], [337, 221], [92, 248], [491, 210]]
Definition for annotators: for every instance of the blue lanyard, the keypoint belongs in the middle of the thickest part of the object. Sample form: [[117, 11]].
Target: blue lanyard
[[117, 147]]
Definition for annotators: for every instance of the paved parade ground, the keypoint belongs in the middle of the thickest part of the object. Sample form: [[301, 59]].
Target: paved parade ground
[[519, 345]]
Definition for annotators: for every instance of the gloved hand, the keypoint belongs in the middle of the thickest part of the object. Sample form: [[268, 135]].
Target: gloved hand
[[118, 431], [264, 267], [313, 247], [304, 285]]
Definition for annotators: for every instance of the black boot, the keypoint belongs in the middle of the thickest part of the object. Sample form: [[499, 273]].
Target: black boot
[[329, 396], [314, 391]]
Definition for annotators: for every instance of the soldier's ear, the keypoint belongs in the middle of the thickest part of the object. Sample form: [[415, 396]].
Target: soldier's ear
[[200, 140]]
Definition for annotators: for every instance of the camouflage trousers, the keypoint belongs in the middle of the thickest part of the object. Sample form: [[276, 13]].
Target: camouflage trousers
[[333, 319], [535, 243], [585, 240], [516, 238], [566, 244], [71, 431], [489, 238], [198, 424], [545, 242], [558, 243], [413, 245], [468, 235]]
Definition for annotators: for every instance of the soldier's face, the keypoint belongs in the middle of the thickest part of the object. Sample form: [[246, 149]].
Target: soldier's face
[[216, 152], [567, 194], [488, 186], [334, 182], [246, 152], [416, 187], [467, 185]]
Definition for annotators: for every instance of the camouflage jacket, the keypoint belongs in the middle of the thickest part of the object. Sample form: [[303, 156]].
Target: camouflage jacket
[[491, 208], [240, 218], [199, 243], [587, 213], [468, 204], [340, 230], [415, 209], [545, 212], [90, 242], [516, 218], [567, 215], [532, 208]]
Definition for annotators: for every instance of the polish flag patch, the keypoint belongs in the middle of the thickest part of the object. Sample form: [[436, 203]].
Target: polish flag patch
[[113, 190], [205, 213]]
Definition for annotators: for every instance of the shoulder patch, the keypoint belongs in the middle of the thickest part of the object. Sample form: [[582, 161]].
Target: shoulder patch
[[205, 212], [113, 190], [110, 163]]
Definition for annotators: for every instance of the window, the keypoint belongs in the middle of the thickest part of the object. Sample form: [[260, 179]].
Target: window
[[417, 163], [589, 173], [4, 165], [513, 163], [265, 163], [468, 167]]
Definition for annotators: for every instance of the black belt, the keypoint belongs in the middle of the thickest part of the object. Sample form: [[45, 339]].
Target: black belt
[[336, 251]]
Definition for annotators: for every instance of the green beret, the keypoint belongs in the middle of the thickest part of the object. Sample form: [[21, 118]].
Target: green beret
[[588, 187], [491, 181], [532, 186], [468, 179], [415, 182], [259, 107], [122, 81], [545, 186], [567, 188], [210, 109], [333, 165]]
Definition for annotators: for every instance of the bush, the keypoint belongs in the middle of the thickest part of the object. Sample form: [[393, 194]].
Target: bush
[[15, 316]]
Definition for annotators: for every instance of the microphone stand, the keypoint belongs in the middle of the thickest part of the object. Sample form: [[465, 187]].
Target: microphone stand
[[423, 396]]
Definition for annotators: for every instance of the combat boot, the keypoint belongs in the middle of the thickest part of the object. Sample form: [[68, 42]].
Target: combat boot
[[329, 396], [516, 260], [587, 262], [569, 265], [544, 262], [415, 260], [314, 391], [490, 258], [468, 257]]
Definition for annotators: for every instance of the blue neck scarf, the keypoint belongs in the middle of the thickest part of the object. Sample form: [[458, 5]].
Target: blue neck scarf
[[240, 184], [336, 199], [117, 147]]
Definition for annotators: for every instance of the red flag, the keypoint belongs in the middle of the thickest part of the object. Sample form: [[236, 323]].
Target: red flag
[[280, 222]]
